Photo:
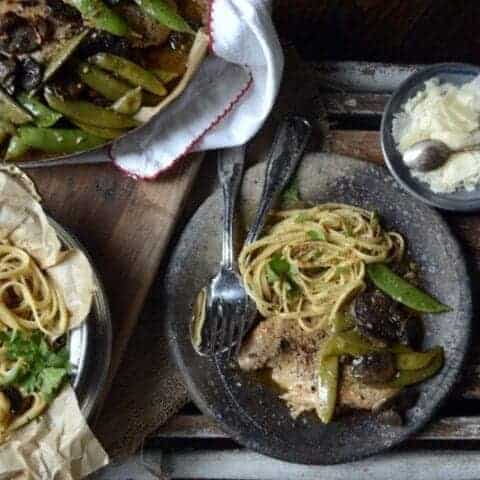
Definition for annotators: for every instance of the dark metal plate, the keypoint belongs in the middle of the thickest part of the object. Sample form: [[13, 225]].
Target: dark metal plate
[[251, 413], [89, 344]]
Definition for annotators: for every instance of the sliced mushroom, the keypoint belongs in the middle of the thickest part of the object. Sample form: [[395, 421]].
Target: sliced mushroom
[[30, 74], [379, 317], [17, 34], [8, 70], [374, 368]]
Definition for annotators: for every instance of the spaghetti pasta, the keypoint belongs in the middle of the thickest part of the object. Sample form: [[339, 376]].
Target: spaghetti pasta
[[311, 262], [30, 304]]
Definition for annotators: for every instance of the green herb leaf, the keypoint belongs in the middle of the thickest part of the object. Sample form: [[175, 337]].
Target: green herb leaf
[[41, 369], [272, 277], [51, 379], [316, 235], [279, 265], [301, 218]]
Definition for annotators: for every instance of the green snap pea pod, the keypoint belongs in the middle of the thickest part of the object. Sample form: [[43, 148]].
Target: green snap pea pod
[[62, 54], [16, 148], [166, 76], [416, 360], [58, 140], [10, 109], [100, 16], [102, 82], [106, 133], [342, 322], [44, 116], [402, 291], [410, 377], [327, 388], [165, 14], [88, 113], [349, 343], [130, 103], [129, 71], [6, 130]]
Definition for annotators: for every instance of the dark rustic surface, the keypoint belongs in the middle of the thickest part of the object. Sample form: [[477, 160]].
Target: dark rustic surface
[[125, 225], [407, 31]]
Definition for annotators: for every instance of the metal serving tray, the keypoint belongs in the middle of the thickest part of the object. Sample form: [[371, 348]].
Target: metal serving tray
[[90, 344]]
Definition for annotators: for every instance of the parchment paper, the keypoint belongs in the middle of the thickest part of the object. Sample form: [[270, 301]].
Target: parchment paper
[[59, 444]]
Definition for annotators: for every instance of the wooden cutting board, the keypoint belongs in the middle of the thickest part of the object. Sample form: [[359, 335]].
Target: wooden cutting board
[[124, 224]]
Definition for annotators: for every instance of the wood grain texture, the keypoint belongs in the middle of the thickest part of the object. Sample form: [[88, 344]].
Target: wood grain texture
[[201, 427], [124, 224]]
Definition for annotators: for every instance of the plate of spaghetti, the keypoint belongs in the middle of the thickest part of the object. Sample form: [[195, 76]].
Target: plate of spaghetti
[[364, 310], [48, 289]]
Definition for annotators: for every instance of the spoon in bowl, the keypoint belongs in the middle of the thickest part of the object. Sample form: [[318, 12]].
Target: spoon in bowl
[[224, 312], [428, 155]]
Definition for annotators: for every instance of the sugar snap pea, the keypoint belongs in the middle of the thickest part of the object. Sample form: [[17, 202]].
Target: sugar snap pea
[[164, 13], [129, 71], [402, 291], [102, 82], [58, 140], [327, 388], [166, 76], [100, 16], [88, 113], [44, 116], [102, 132], [130, 103], [62, 54], [416, 360], [6, 130], [405, 378], [11, 110], [16, 148]]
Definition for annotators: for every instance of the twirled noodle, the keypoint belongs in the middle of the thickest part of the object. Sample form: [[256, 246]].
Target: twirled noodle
[[28, 298], [29, 301], [327, 248]]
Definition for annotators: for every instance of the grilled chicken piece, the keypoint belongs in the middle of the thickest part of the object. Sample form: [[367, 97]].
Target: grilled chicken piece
[[291, 354], [356, 395]]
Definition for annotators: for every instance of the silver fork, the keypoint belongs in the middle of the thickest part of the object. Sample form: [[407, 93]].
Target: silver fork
[[229, 311]]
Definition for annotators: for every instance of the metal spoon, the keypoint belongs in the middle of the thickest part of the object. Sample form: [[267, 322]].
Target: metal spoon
[[224, 312], [428, 155]]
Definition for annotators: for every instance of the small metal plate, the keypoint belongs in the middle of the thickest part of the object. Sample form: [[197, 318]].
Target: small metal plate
[[90, 344], [457, 74]]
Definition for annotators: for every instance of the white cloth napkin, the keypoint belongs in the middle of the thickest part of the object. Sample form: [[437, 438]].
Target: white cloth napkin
[[226, 102]]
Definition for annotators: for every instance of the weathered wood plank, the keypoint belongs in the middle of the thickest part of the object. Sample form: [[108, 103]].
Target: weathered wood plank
[[394, 465], [201, 427], [354, 103]]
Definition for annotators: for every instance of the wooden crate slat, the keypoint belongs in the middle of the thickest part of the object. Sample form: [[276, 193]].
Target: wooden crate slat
[[396, 465], [201, 427], [354, 103]]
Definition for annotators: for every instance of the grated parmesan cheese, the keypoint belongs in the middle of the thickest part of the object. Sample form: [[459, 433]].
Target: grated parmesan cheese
[[451, 114]]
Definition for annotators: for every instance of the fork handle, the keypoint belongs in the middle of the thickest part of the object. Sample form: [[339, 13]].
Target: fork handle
[[288, 146], [230, 164]]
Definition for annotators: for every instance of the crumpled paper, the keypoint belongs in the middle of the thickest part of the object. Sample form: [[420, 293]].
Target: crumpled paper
[[59, 444]]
